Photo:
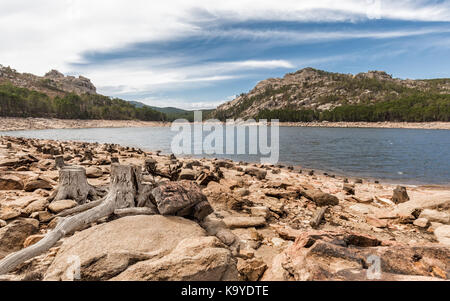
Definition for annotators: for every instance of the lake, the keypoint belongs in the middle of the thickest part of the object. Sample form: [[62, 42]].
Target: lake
[[410, 156]]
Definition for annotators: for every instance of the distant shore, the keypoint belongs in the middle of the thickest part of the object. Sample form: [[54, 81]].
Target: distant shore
[[21, 124]]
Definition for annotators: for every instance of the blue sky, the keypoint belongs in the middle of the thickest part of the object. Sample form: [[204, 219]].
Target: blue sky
[[198, 54]]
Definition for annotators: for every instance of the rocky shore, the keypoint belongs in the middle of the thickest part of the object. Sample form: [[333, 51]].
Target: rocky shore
[[20, 124], [209, 219]]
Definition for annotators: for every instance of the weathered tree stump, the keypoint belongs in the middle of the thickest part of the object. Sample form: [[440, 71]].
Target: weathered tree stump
[[59, 162], [73, 185]]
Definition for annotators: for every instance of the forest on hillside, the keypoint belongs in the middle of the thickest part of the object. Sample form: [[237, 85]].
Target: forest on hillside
[[421, 107], [22, 102]]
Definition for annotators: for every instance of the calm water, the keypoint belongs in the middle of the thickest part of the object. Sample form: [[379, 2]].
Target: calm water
[[396, 155]]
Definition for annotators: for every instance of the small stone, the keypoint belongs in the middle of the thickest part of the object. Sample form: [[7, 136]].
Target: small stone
[[7, 213], [400, 195], [421, 222], [244, 221], [35, 206], [94, 172], [61, 205], [44, 216], [260, 211], [2, 223], [378, 223], [349, 189], [251, 270], [187, 174], [31, 240]]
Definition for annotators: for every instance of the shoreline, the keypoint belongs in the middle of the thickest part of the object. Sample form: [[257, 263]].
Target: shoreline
[[264, 208], [296, 168], [31, 123]]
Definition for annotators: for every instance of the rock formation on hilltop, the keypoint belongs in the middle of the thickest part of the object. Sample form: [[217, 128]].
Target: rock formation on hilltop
[[52, 83], [317, 90]]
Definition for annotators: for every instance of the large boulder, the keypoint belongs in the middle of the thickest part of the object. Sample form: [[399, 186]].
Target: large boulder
[[181, 198], [340, 255], [108, 250], [14, 234], [193, 259], [442, 234]]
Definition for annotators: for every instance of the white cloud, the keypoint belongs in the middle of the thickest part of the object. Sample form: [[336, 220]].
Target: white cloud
[[134, 76], [39, 35]]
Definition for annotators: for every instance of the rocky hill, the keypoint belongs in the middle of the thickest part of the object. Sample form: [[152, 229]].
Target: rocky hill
[[320, 91], [52, 83]]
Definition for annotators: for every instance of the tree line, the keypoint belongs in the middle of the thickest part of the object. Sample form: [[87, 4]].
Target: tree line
[[420, 107], [22, 102]]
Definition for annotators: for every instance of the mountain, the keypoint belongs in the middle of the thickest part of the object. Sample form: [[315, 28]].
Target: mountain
[[166, 110], [174, 113], [52, 83], [311, 94], [57, 96]]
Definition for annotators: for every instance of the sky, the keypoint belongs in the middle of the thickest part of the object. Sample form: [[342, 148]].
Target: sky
[[199, 54]]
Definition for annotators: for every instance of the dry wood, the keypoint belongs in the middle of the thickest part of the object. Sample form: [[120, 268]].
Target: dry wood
[[318, 216], [73, 185]]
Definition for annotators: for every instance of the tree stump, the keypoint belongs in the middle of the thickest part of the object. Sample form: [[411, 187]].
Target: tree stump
[[59, 162], [73, 185]]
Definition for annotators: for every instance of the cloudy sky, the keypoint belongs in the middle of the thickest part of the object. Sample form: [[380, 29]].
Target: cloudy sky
[[197, 54]]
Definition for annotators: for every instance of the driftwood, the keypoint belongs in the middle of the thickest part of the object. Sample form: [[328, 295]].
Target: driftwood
[[73, 185], [318, 216]]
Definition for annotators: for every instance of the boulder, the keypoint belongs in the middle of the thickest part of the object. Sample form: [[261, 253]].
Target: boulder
[[94, 172], [187, 174], [320, 198], [251, 270], [193, 259], [39, 205], [13, 235], [7, 213], [32, 185], [435, 216], [400, 195], [160, 248], [342, 255], [180, 198], [61, 205], [10, 182], [442, 234], [260, 174], [349, 188], [421, 222]]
